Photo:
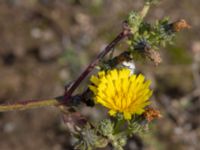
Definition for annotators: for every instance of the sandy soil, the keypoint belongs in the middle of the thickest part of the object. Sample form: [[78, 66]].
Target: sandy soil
[[40, 41]]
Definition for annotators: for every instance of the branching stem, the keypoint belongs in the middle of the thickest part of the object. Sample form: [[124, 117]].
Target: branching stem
[[64, 100]]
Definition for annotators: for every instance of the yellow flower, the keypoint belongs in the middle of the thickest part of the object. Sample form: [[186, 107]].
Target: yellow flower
[[121, 91]]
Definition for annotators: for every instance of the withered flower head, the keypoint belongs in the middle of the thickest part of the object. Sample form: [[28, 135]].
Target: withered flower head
[[179, 25], [151, 114]]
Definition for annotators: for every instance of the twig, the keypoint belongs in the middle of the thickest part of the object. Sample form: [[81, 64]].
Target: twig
[[91, 66], [145, 9], [30, 104]]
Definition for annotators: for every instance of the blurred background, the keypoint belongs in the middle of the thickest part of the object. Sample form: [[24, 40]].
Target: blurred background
[[45, 44]]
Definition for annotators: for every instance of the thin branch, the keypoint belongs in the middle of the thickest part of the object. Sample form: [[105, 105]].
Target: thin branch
[[91, 66], [145, 9], [30, 104]]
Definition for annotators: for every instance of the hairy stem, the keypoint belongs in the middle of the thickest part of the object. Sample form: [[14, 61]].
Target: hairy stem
[[145, 9], [30, 104]]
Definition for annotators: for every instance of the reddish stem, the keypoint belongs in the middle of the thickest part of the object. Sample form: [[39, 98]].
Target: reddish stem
[[91, 66]]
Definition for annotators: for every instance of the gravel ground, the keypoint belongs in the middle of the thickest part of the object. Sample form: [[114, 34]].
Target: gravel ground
[[40, 41]]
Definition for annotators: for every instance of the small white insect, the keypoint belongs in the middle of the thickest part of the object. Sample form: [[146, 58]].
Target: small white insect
[[130, 65]]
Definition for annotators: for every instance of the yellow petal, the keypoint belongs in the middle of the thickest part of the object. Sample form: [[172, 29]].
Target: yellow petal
[[140, 78], [127, 115], [93, 89], [94, 80], [101, 74], [112, 112]]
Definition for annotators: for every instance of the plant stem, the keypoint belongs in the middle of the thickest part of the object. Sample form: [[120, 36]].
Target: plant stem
[[145, 9], [30, 104], [118, 125], [91, 66]]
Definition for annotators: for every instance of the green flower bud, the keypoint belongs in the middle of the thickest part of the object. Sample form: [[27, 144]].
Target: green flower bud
[[134, 21], [106, 127], [101, 143], [122, 141]]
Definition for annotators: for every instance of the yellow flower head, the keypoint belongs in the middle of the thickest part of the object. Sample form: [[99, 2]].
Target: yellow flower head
[[121, 91]]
